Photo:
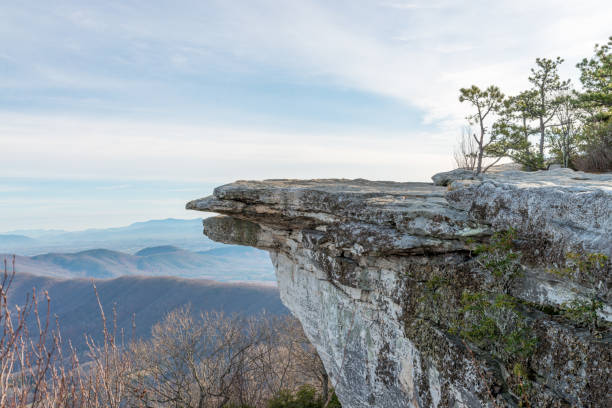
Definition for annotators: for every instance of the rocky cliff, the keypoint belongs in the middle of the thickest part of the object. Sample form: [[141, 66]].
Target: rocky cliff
[[471, 292]]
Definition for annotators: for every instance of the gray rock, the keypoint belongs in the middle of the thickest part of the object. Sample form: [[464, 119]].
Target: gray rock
[[447, 177], [375, 271], [560, 210]]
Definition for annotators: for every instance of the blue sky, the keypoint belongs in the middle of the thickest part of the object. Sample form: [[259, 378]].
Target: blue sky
[[163, 96]]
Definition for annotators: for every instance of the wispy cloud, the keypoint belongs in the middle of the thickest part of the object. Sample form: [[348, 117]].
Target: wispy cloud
[[91, 148], [126, 48]]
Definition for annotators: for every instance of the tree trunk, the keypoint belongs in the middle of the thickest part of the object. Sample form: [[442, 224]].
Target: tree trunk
[[480, 148], [566, 150], [480, 142], [542, 114], [541, 136]]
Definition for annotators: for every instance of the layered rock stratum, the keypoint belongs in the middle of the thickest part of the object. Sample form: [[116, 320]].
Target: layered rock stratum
[[486, 291]]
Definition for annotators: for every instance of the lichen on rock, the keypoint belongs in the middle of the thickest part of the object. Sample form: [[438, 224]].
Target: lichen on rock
[[379, 273]]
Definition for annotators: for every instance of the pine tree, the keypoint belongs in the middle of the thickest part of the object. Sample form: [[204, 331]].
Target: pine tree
[[547, 86], [486, 102]]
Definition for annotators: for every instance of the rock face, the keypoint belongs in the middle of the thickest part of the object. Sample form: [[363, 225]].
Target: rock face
[[490, 292]]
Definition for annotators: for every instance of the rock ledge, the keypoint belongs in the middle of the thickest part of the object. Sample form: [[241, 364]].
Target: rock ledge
[[355, 262]]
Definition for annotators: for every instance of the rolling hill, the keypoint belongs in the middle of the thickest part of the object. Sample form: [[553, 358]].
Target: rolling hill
[[149, 299]]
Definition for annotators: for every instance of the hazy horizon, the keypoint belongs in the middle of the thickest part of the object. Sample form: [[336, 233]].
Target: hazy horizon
[[25, 231]]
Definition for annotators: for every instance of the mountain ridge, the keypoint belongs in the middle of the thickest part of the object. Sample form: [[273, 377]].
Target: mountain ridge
[[233, 263], [131, 238]]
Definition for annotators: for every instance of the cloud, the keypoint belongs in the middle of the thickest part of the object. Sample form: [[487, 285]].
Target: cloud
[[418, 52], [78, 148]]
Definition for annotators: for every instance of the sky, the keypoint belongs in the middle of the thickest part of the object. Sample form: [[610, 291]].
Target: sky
[[113, 112]]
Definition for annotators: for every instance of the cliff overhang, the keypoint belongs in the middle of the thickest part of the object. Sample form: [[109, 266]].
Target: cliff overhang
[[379, 273]]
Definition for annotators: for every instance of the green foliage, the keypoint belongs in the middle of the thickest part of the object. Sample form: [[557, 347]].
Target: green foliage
[[581, 266], [520, 118], [583, 312], [523, 385], [500, 259], [520, 342], [546, 83], [305, 397], [575, 127], [584, 267], [513, 130], [563, 138], [529, 158], [480, 311], [485, 101], [596, 78], [432, 286], [595, 146], [596, 103], [435, 282], [496, 322], [546, 86], [431, 297], [519, 370], [477, 327]]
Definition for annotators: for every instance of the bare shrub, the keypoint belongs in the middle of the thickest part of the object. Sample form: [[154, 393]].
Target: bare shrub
[[466, 151], [106, 382], [216, 360], [209, 361], [35, 371], [25, 358]]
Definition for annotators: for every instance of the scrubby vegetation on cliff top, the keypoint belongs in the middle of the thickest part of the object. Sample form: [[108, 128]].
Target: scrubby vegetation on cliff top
[[210, 360], [573, 127]]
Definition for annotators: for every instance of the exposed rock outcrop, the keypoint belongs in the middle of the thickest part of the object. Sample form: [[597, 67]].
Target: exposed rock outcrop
[[387, 282]]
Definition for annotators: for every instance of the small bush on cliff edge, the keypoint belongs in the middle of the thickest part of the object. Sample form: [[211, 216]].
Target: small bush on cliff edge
[[586, 268], [501, 259]]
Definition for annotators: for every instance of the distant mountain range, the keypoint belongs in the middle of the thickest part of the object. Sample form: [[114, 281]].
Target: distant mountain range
[[223, 264], [185, 234], [149, 299], [169, 247], [142, 269]]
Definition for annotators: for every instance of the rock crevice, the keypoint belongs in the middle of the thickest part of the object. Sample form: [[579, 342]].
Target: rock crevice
[[378, 272]]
